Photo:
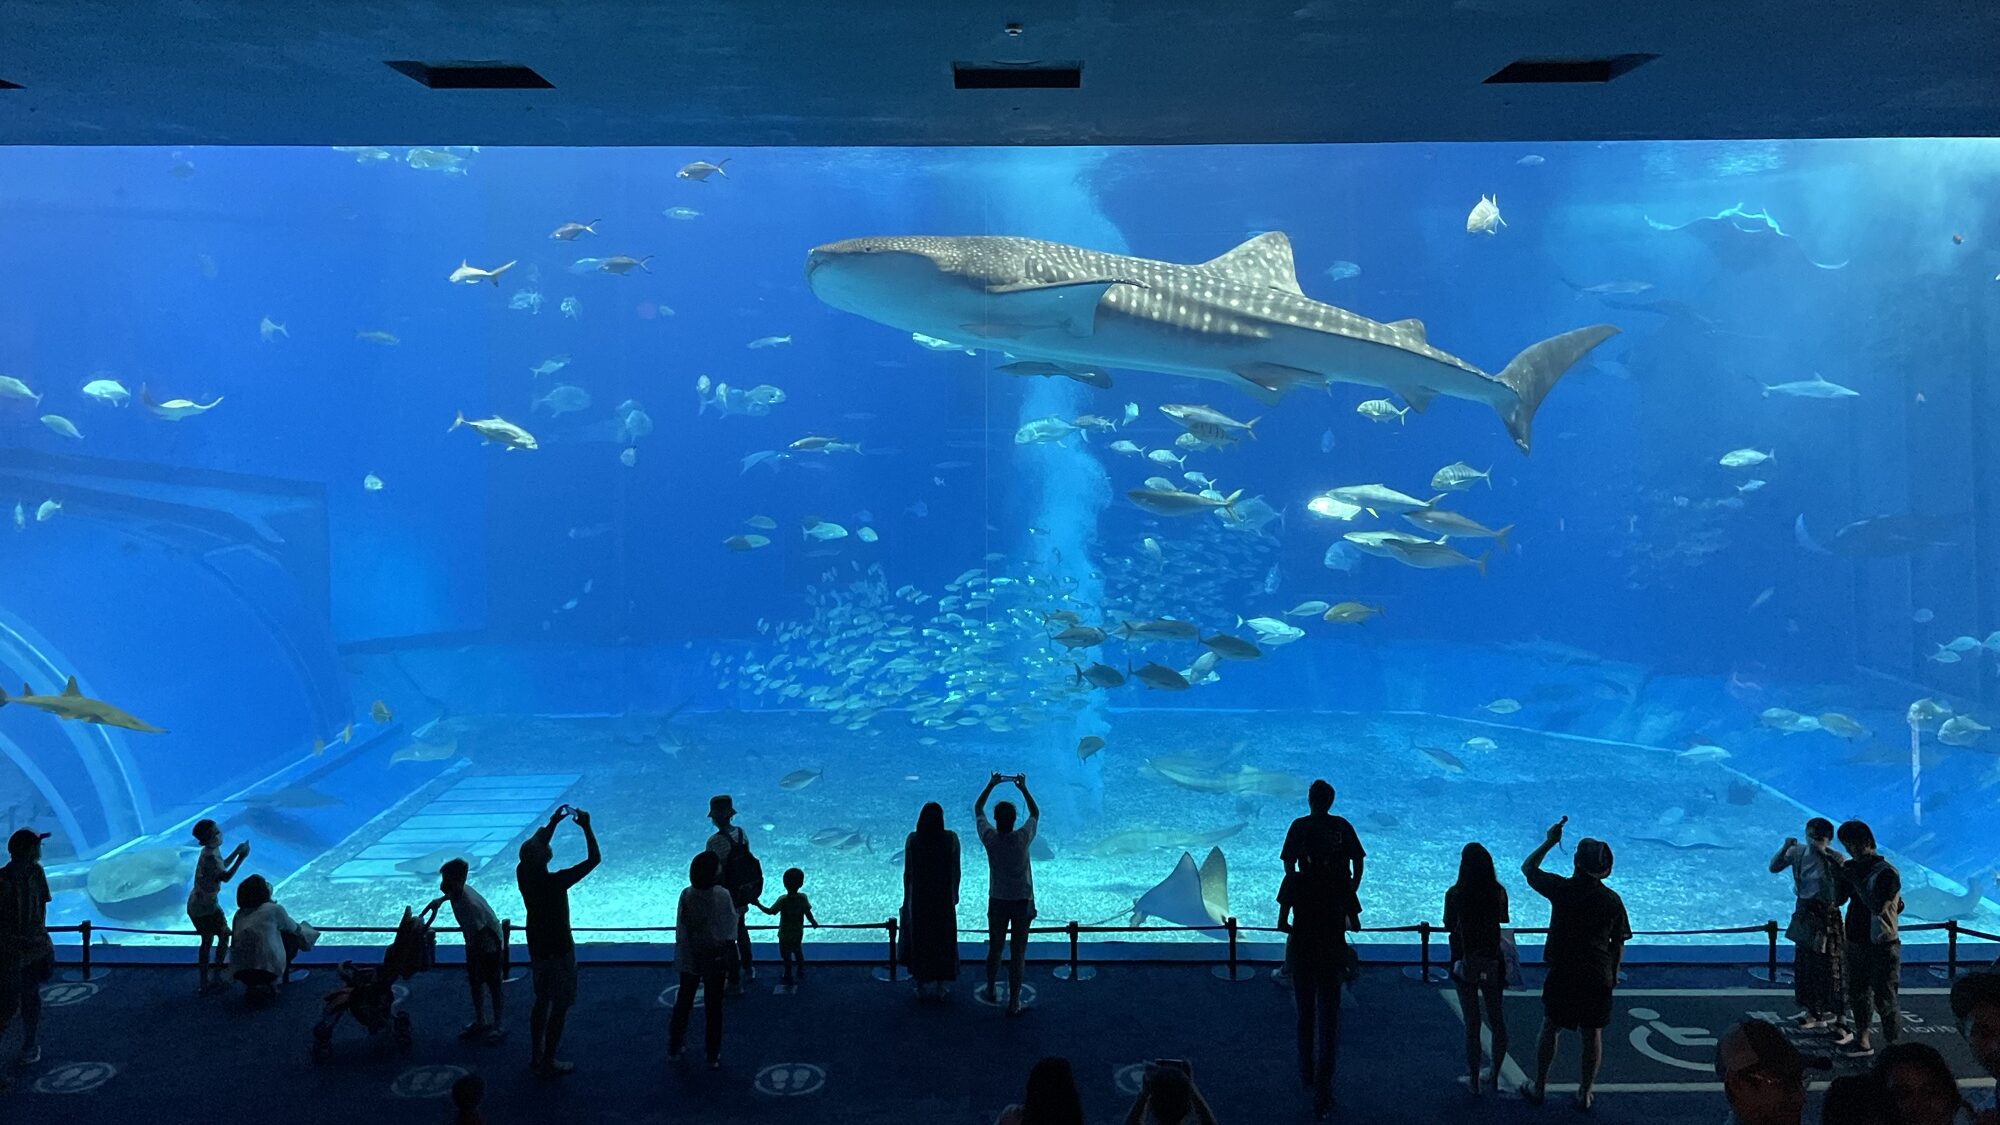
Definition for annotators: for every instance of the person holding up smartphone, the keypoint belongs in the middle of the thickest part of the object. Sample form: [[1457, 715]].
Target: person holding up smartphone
[[1168, 1096], [1588, 930], [1010, 897], [551, 945]]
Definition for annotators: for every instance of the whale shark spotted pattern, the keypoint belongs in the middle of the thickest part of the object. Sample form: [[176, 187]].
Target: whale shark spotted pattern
[[1240, 318]]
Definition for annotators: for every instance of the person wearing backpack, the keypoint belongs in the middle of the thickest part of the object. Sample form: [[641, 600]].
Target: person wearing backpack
[[1874, 893], [743, 875]]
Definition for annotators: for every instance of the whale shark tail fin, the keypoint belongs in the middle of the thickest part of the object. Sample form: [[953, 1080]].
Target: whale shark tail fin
[[1535, 370]]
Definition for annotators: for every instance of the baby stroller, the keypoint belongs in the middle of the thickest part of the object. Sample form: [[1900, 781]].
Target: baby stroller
[[368, 993]]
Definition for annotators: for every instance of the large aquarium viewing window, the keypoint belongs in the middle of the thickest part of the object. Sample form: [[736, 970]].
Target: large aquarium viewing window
[[375, 502]]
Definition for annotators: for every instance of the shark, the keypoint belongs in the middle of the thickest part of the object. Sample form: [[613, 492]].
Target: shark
[[1239, 319], [73, 704]]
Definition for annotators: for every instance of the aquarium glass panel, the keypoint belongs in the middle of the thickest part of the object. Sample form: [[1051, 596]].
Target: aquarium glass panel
[[376, 503]]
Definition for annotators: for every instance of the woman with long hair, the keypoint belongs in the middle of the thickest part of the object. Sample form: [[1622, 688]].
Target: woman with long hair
[[1474, 909], [930, 902], [1051, 1098]]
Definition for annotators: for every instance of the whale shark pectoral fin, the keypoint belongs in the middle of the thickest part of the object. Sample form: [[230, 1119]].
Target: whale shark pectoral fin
[[1036, 305], [1269, 381], [1419, 398], [1411, 327]]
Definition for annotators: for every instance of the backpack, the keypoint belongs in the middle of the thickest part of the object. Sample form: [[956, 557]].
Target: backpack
[[742, 872]]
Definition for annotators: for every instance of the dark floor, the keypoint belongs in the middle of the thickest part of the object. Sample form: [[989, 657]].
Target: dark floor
[[885, 1058]]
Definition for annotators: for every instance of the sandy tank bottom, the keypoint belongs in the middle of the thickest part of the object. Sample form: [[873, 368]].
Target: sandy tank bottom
[[1692, 839]]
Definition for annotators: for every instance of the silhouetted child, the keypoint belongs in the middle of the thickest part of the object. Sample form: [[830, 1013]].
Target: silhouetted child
[[794, 910], [466, 1094], [484, 952]]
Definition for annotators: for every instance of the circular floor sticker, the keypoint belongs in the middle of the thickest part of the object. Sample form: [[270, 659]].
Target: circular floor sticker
[[673, 991], [790, 1080], [1128, 1078], [63, 994], [75, 1078], [998, 997], [433, 1081]]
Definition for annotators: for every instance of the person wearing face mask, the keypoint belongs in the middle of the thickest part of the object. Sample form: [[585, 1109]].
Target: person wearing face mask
[[1816, 933]]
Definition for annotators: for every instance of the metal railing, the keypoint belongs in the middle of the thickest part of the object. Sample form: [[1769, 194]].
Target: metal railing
[[1231, 966]]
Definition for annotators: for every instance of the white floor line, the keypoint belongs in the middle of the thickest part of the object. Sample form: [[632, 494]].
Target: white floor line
[[1512, 1077]]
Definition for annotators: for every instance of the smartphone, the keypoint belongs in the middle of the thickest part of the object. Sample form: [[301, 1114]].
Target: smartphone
[[563, 811], [1182, 1065]]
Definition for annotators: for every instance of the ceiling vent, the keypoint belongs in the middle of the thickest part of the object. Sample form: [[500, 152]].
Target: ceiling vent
[[1571, 71], [471, 75], [1017, 76]]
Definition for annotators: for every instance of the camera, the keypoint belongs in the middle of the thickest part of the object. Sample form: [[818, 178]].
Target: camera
[[1154, 1066]]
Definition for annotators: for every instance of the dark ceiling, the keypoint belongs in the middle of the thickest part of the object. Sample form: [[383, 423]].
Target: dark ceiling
[[753, 72]]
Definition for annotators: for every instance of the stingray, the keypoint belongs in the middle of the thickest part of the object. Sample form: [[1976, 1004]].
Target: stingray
[[1744, 240], [428, 864], [293, 797], [140, 882], [1881, 536], [1933, 905], [1686, 837], [273, 823], [1190, 896]]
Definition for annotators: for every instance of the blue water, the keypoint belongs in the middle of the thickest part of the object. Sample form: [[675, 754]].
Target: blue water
[[561, 616]]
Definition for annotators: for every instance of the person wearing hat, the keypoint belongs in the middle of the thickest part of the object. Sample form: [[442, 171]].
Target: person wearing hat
[[1763, 1075], [1588, 930], [742, 875], [1975, 1003], [551, 945], [27, 956]]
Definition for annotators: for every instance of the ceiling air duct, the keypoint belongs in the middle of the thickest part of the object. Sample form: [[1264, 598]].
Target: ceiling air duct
[[1570, 71], [471, 75]]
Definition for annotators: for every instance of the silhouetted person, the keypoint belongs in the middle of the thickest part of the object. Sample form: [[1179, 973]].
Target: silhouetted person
[[1322, 863], [1815, 929], [1168, 1096], [1921, 1085], [1857, 1099], [704, 946], [1975, 1003], [551, 945], [485, 956], [794, 910], [1474, 910], [1763, 1075], [27, 956], [204, 902], [1010, 895], [264, 940], [466, 1094], [930, 901], [742, 875], [1874, 893], [1051, 1098], [1588, 930]]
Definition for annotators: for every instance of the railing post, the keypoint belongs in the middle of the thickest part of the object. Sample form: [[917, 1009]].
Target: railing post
[[1424, 950], [1771, 936], [506, 947], [891, 925], [1073, 971], [1232, 970], [83, 928], [1950, 948]]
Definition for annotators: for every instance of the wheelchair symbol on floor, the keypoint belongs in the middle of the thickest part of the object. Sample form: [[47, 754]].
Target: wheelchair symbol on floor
[[1698, 1040], [790, 1080], [75, 1078], [672, 992], [64, 994], [432, 1081]]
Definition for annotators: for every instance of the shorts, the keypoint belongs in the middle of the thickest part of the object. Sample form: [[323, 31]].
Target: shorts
[[484, 963], [24, 981], [1575, 1001], [555, 978], [210, 923]]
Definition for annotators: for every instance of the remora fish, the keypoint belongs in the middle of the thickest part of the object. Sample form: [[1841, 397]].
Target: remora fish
[[1240, 319]]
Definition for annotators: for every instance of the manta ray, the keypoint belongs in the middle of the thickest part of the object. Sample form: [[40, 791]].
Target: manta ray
[[1240, 319]]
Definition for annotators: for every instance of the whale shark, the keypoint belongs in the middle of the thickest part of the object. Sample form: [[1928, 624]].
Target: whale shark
[[1240, 319]]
